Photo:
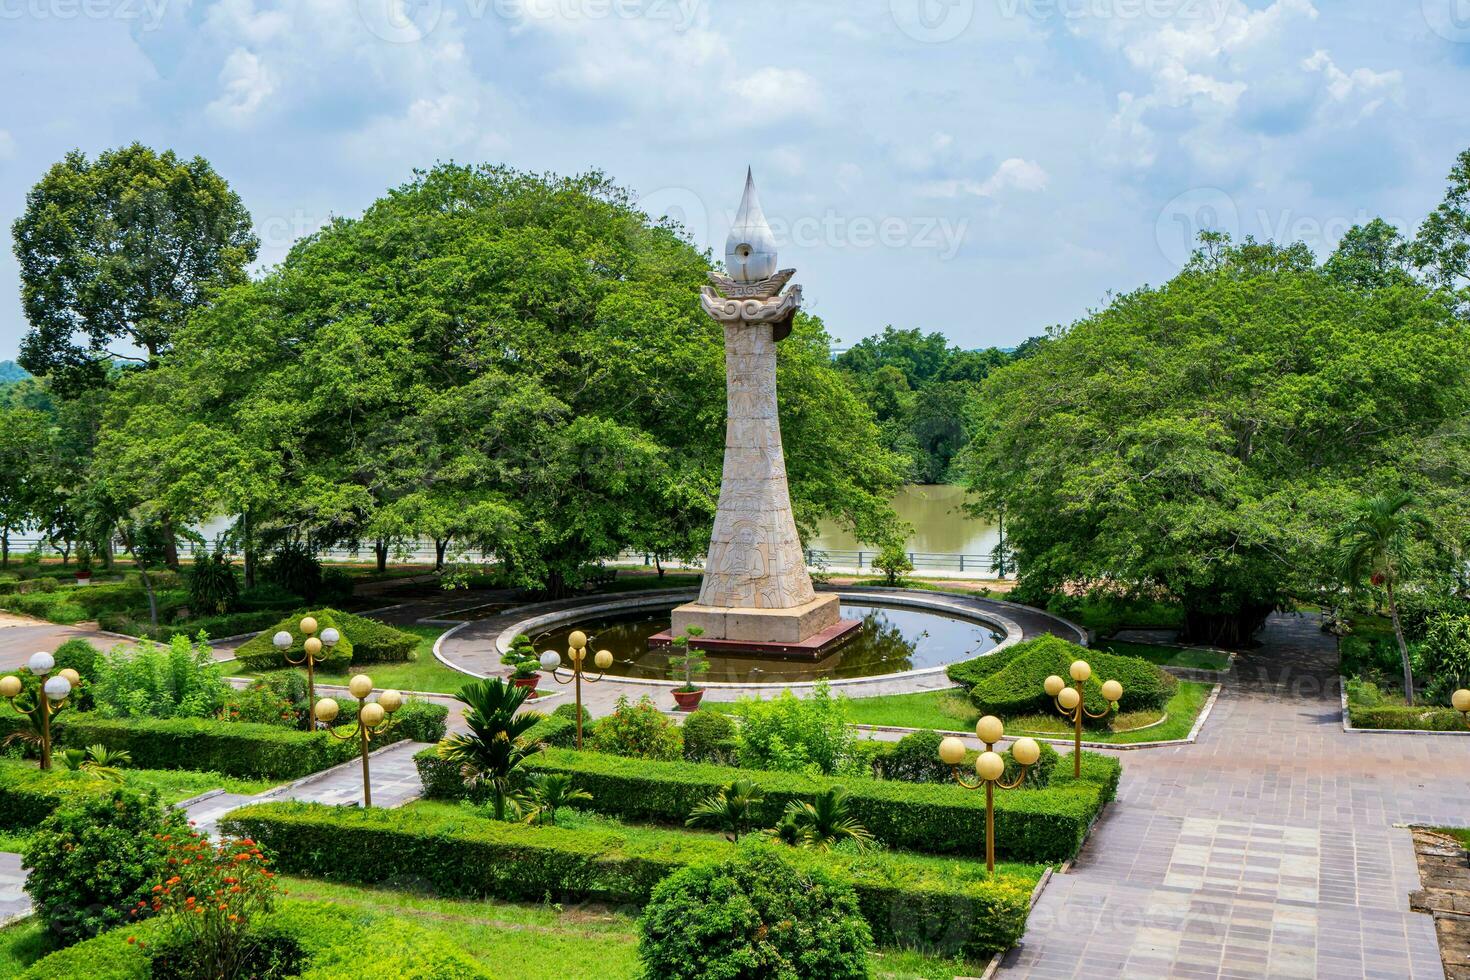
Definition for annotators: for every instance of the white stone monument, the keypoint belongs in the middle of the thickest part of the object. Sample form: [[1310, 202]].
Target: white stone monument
[[756, 591]]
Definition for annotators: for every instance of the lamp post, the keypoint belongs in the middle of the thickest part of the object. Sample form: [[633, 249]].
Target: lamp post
[[1069, 703], [54, 692], [577, 654], [311, 650], [989, 768], [1461, 701], [373, 718]]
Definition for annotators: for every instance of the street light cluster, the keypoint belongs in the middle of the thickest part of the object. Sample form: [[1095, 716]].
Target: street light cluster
[[1069, 703], [577, 654], [54, 692]]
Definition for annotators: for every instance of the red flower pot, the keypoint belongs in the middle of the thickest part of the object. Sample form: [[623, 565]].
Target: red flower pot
[[529, 683], [688, 700]]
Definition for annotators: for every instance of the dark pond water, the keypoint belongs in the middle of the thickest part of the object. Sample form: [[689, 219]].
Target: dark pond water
[[892, 639]]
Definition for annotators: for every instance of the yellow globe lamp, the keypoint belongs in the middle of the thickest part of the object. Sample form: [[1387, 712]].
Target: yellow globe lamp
[[989, 766], [1112, 691], [1026, 751], [313, 646], [603, 659], [326, 710], [1069, 698], [951, 751], [308, 625], [1461, 700], [1053, 685], [1081, 670], [372, 714], [577, 640], [990, 729], [9, 686], [72, 677], [361, 686], [391, 701]]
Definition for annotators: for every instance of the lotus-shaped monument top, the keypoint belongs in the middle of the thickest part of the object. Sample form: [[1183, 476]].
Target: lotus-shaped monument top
[[750, 249]]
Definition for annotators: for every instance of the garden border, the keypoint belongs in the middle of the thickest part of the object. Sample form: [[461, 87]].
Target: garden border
[[1347, 725]]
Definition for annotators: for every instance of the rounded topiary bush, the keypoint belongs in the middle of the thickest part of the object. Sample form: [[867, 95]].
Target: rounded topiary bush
[[709, 737], [1016, 688], [753, 916]]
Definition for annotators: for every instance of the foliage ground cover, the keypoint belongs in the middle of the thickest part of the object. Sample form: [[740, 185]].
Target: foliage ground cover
[[421, 673], [1182, 711]]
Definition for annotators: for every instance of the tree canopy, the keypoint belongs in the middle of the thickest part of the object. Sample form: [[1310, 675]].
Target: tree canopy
[[513, 360], [1203, 439]]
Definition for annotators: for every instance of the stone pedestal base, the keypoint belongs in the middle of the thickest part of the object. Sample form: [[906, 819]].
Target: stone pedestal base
[[780, 626]]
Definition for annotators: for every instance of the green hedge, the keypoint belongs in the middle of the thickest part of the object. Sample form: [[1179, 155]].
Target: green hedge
[[374, 642], [1044, 825], [226, 747], [908, 901], [28, 796], [214, 627], [1403, 717], [364, 641], [1016, 688], [328, 942]]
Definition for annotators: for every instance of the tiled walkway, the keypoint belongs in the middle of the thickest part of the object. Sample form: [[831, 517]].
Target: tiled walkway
[[1266, 849]]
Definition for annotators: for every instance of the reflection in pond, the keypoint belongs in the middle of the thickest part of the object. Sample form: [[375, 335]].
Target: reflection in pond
[[893, 639]]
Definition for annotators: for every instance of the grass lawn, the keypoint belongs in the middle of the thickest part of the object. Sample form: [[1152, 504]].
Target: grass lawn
[[1169, 656], [421, 674], [1461, 834], [951, 710], [12, 842], [173, 785], [530, 942]]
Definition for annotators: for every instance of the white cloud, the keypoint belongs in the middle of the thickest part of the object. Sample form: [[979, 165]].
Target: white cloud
[[774, 93], [1362, 85], [7, 145], [1015, 174], [247, 83]]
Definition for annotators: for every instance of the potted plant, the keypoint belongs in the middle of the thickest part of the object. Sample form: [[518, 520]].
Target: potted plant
[[84, 565], [525, 666], [688, 661]]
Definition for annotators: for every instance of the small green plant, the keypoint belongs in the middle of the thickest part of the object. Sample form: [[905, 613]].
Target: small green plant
[[639, 730], [547, 793], [213, 587], [792, 734], [521, 657], [728, 809], [825, 821], [893, 562], [96, 761], [181, 680], [494, 747], [688, 661]]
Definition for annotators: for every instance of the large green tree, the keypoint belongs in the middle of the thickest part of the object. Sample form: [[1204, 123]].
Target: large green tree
[[115, 254], [515, 361], [1204, 439]]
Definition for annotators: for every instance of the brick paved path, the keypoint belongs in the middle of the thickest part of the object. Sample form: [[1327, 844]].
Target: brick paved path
[[1268, 848]]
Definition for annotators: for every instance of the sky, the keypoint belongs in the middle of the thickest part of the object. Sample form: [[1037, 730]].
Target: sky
[[985, 168]]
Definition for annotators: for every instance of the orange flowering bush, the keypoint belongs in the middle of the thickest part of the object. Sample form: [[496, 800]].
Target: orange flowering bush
[[211, 896]]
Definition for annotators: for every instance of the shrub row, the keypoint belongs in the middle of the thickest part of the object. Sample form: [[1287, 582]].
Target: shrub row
[[226, 747], [1044, 825], [28, 796], [321, 941], [907, 901], [215, 627], [1403, 717]]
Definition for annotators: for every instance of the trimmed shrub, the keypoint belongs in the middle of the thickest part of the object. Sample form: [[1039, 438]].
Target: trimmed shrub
[[709, 736], [421, 721], [95, 858], [260, 653], [1016, 688], [80, 656], [907, 901], [1043, 825], [374, 642], [793, 734], [1403, 717], [755, 914], [312, 940], [206, 745], [569, 712]]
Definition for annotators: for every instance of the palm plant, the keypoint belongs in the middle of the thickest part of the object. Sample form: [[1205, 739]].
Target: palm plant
[[495, 745], [1374, 545], [548, 793], [825, 821], [98, 762], [788, 829], [728, 809]]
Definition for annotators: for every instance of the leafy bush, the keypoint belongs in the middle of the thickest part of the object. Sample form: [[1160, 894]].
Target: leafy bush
[[420, 720], [294, 568], [148, 681], [80, 656], [95, 859], [755, 915], [1399, 716], [268, 596], [638, 730], [569, 712], [893, 562], [1031, 825], [1016, 689], [226, 747], [709, 736], [1446, 652], [915, 759], [374, 642], [272, 700], [260, 653], [908, 901], [213, 587], [791, 734]]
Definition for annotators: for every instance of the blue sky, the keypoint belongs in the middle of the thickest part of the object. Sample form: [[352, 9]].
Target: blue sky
[[981, 167]]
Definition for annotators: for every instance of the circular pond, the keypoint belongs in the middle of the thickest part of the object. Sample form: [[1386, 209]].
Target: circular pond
[[893, 639]]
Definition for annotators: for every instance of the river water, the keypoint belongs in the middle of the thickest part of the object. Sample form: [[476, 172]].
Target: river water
[[940, 526]]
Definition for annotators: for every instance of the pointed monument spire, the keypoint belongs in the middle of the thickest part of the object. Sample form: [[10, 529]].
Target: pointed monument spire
[[750, 248]]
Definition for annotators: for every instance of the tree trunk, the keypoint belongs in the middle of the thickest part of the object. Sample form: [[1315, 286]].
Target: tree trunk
[[170, 545], [1398, 634], [247, 545], [380, 548], [440, 546], [659, 565], [5, 548]]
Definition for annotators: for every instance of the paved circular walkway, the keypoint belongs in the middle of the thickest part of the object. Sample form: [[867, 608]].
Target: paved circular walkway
[[1267, 848], [472, 648]]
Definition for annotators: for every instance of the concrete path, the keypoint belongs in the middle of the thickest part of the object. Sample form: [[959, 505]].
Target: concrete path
[[14, 902], [1266, 849], [21, 636]]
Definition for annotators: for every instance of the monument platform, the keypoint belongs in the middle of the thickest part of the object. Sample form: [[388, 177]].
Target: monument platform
[[755, 629]]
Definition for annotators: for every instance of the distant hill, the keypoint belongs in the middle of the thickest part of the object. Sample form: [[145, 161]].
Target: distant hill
[[11, 372]]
